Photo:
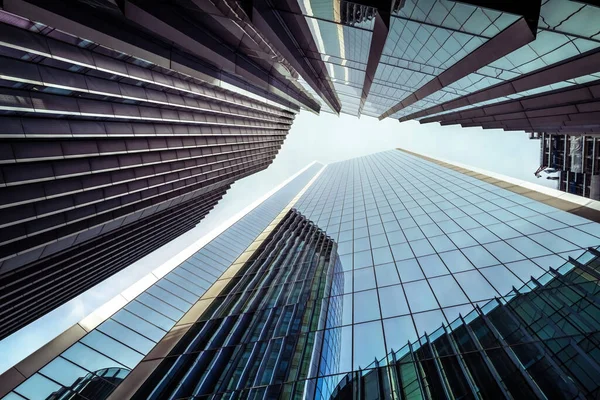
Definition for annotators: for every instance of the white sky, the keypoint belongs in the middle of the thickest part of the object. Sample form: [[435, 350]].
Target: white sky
[[325, 138]]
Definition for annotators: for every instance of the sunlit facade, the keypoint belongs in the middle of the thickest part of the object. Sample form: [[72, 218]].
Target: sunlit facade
[[391, 273]]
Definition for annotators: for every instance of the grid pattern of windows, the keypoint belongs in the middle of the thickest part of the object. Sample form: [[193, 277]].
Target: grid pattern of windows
[[565, 30], [421, 244], [425, 39], [127, 336], [412, 306], [539, 341], [264, 313]]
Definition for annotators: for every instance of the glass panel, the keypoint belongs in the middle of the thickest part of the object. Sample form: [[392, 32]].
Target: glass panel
[[126, 336], [393, 302], [447, 291], [432, 266], [409, 270], [364, 279], [139, 325], [88, 358], [115, 350], [366, 306], [475, 286], [398, 332], [456, 261], [37, 387], [368, 344], [480, 257], [420, 296], [63, 371]]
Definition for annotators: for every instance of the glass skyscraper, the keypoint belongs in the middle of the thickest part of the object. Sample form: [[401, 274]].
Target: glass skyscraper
[[386, 276]]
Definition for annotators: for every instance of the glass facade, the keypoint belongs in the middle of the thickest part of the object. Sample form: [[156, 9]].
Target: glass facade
[[564, 30], [394, 277], [539, 341], [255, 334], [121, 341]]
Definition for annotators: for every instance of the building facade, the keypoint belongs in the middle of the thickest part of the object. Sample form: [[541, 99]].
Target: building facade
[[391, 275], [111, 146], [118, 336], [123, 123], [573, 160], [510, 65]]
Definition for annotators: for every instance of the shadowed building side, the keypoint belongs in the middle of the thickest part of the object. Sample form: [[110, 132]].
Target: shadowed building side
[[106, 156]]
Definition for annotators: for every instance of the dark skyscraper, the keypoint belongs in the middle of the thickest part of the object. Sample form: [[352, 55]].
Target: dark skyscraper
[[390, 276], [109, 150]]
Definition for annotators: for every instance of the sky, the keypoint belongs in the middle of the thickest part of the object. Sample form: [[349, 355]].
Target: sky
[[325, 138]]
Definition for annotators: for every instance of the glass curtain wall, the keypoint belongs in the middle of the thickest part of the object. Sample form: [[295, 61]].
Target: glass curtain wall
[[121, 342], [426, 255], [254, 337]]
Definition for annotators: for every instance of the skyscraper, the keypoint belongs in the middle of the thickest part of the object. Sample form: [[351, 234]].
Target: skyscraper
[[514, 65], [111, 146], [571, 160], [390, 273]]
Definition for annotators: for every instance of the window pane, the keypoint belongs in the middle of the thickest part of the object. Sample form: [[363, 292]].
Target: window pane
[[504, 252], [126, 336], [368, 344], [366, 306], [456, 261], [37, 387], [447, 291], [139, 325], [88, 358], [409, 270], [475, 285], [63, 371], [393, 302], [386, 274], [364, 279], [420, 296], [398, 331], [421, 247], [480, 257], [432, 265], [113, 349]]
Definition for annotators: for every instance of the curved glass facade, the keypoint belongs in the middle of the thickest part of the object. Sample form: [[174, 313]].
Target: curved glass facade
[[394, 277]]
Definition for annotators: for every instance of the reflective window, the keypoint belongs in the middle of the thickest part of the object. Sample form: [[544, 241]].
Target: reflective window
[[63, 371], [401, 251], [432, 265], [447, 291], [366, 306], [382, 256], [393, 302], [475, 285], [37, 387], [364, 278], [398, 332], [368, 344], [113, 349], [89, 359], [409, 270], [528, 247], [386, 274], [504, 252], [420, 297], [456, 261], [421, 247], [479, 256]]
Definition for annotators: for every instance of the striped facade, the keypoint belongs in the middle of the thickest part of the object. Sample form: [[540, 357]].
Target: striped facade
[[106, 156]]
